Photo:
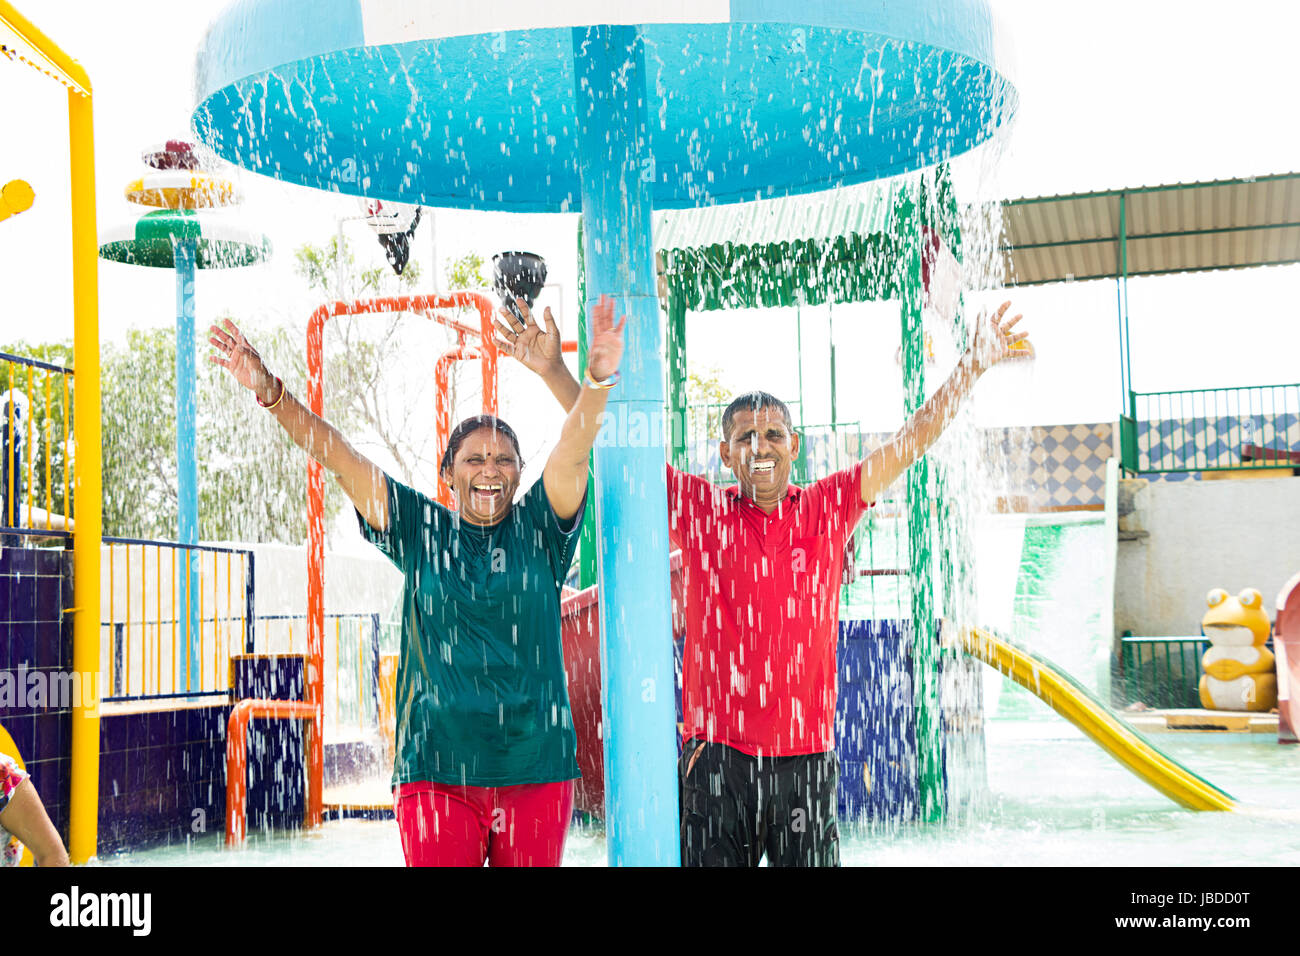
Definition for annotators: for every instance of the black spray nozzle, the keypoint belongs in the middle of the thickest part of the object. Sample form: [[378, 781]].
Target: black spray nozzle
[[518, 274]]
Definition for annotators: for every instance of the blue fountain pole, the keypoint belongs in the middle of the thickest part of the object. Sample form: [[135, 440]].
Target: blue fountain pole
[[187, 480], [631, 495]]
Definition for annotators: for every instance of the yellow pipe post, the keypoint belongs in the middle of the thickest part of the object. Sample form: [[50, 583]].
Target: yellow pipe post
[[47, 440], [37, 50], [83, 823], [126, 629], [11, 515], [31, 414], [67, 466]]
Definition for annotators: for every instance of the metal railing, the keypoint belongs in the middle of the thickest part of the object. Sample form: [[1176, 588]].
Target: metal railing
[[172, 615], [1212, 429], [154, 650], [1162, 672], [36, 455], [824, 449], [352, 654]]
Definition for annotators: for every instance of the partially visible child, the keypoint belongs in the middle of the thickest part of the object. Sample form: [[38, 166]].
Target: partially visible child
[[23, 820]]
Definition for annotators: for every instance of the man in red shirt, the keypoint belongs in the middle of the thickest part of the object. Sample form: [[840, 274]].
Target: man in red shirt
[[761, 569]]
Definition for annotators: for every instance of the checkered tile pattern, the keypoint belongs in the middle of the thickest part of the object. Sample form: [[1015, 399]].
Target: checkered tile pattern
[[1064, 466], [1068, 464], [1209, 443], [1050, 466], [1058, 466]]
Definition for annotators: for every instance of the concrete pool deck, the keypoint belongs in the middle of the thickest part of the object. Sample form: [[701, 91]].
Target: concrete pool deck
[[1202, 721]]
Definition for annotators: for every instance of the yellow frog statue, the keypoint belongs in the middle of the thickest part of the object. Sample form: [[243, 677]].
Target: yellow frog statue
[[1239, 669]]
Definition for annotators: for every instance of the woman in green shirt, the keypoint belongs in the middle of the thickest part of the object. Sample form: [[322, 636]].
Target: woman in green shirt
[[485, 742]]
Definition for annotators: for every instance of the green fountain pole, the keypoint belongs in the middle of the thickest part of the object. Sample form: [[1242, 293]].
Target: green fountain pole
[[925, 677], [677, 410]]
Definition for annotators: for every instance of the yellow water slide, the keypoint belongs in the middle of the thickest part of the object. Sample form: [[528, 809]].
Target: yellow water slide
[[1073, 702]]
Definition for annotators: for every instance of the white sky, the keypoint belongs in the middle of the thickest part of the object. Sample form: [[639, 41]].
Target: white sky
[[1112, 94]]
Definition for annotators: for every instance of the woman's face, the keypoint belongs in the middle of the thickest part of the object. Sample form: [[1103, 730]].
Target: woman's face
[[485, 475]]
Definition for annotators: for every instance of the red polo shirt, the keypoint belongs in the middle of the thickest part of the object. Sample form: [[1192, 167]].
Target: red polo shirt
[[762, 610]]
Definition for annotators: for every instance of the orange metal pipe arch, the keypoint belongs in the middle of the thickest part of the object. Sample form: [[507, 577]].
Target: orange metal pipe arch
[[237, 759], [442, 409], [426, 305]]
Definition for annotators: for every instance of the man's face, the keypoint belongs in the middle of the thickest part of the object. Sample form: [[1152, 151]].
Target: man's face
[[759, 452], [485, 475]]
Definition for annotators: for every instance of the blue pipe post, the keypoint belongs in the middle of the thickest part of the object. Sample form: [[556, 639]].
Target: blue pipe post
[[641, 818], [187, 468]]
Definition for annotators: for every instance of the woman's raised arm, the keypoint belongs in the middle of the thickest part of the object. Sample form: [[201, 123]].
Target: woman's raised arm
[[565, 475], [362, 480]]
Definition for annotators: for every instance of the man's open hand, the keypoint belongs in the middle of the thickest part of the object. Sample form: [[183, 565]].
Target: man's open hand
[[994, 341]]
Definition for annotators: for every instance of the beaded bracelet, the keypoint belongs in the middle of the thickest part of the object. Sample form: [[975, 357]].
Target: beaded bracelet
[[592, 383]]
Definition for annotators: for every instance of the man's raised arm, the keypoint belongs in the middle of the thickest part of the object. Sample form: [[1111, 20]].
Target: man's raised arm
[[993, 342]]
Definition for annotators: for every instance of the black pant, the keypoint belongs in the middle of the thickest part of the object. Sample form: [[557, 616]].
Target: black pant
[[736, 807]]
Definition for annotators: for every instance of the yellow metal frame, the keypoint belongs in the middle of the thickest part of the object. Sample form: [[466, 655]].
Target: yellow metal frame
[[21, 40]]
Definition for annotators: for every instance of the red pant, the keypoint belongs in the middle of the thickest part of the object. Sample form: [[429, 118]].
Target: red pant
[[444, 825]]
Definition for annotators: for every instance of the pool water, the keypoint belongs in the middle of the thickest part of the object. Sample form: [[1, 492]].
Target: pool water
[[1054, 799], [1052, 796]]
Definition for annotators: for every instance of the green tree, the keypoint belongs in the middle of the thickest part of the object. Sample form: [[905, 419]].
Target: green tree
[[364, 355], [138, 395], [706, 398], [466, 272], [341, 280], [252, 478]]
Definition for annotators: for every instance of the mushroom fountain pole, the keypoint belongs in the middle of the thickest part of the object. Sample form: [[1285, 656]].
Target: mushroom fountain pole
[[175, 236], [518, 106], [637, 694]]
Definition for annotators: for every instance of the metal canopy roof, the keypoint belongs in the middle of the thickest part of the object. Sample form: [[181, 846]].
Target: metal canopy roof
[[1186, 227]]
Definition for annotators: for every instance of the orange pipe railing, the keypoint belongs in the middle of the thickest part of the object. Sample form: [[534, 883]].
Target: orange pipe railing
[[237, 760], [424, 305], [442, 406]]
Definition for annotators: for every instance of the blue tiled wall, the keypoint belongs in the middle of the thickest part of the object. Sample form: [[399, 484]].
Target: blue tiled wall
[[156, 769], [36, 639]]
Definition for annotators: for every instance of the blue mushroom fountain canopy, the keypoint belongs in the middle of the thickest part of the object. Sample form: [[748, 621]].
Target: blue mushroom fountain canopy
[[473, 105]]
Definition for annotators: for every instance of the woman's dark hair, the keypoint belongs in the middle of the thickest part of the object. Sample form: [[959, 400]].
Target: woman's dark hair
[[468, 427]]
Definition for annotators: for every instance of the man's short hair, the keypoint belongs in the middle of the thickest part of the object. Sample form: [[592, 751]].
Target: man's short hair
[[753, 401]]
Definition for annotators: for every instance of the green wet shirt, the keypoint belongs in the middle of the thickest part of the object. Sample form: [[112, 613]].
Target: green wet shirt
[[482, 698]]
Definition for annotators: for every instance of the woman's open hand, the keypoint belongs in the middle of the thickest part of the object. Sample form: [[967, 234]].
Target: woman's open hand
[[606, 350], [237, 355], [536, 348]]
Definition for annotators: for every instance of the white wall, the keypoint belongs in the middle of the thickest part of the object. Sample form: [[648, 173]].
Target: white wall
[[1203, 535]]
